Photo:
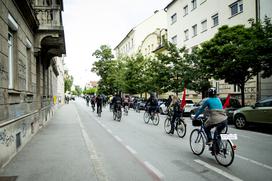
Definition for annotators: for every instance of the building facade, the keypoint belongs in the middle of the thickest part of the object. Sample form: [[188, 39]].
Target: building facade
[[192, 22], [145, 37], [31, 35]]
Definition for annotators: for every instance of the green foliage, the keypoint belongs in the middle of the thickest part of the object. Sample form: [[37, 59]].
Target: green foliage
[[90, 91], [68, 82]]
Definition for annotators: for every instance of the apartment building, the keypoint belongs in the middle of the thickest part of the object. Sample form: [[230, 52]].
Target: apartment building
[[192, 22], [144, 37], [31, 36]]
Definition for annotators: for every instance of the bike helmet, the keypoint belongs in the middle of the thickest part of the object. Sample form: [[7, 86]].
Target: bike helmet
[[212, 92]]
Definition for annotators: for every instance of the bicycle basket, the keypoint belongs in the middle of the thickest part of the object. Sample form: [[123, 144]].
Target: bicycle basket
[[197, 122]]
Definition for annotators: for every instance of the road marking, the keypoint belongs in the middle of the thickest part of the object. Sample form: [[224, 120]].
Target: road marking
[[243, 136], [103, 125], [217, 170], [118, 139], [95, 161], [109, 131], [131, 150], [154, 170], [253, 161]]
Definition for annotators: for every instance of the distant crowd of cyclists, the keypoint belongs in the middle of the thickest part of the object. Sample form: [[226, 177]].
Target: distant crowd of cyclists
[[217, 116]]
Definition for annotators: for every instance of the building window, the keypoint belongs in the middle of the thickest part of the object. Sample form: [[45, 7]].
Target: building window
[[174, 18], [185, 10], [194, 29], [236, 88], [10, 60], [204, 25], [186, 34], [236, 8], [174, 39], [194, 4], [215, 20]]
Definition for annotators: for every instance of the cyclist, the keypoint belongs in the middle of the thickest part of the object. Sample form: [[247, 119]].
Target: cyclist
[[175, 105], [116, 102], [152, 102], [126, 101], [87, 100], [217, 116], [93, 102], [99, 101]]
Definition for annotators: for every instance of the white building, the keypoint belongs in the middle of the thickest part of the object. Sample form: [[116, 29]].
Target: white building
[[191, 22], [144, 37]]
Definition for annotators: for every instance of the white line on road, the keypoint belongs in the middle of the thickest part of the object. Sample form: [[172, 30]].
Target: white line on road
[[253, 161], [95, 161], [154, 170], [109, 131], [118, 139], [131, 150], [217, 170], [103, 125]]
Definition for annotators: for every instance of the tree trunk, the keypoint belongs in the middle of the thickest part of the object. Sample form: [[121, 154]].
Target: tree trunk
[[243, 93]]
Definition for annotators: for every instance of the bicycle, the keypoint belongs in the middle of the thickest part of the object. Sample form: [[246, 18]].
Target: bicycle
[[117, 115], [180, 125], [153, 116], [99, 110], [222, 147], [126, 110], [93, 107]]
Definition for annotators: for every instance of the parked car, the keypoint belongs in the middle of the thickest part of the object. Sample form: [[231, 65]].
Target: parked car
[[142, 104], [261, 112], [234, 104], [189, 106]]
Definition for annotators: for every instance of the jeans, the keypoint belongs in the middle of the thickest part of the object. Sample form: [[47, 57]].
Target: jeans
[[218, 130]]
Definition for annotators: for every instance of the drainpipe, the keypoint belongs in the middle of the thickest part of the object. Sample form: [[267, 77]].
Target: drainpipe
[[258, 85]]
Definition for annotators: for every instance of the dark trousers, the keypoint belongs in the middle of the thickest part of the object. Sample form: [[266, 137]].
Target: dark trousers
[[175, 116], [99, 107], [218, 130]]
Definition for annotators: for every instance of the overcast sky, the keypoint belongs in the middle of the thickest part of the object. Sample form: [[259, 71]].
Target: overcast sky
[[91, 23]]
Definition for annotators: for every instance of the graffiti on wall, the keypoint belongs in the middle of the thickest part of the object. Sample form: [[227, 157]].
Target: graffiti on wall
[[6, 139], [23, 129]]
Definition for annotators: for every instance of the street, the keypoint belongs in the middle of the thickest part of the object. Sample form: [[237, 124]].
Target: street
[[93, 148]]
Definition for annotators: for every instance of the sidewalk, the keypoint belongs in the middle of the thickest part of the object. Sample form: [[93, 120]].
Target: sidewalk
[[56, 153]]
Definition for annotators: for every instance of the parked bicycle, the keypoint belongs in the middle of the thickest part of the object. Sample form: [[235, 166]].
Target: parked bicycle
[[180, 125], [153, 116], [222, 147]]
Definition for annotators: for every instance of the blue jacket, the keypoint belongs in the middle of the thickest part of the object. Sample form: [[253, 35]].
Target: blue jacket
[[213, 103]]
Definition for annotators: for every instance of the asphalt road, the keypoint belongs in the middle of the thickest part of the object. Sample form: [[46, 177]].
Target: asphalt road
[[168, 157], [79, 145]]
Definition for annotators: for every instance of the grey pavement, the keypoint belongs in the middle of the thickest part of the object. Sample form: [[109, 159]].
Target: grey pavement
[[57, 152]]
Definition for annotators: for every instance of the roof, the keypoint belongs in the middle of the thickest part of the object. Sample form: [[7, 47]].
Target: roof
[[131, 31], [170, 4]]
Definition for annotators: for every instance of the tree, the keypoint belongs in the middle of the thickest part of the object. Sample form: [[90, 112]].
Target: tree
[[230, 55], [198, 80], [263, 44], [68, 81]]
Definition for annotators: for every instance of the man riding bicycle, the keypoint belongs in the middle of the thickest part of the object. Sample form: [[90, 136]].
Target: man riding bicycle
[[152, 102], [217, 116], [99, 101], [116, 102]]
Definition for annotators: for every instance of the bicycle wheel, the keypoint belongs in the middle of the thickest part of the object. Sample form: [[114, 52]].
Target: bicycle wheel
[[114, 115], [181, 128], [119, 115], [197, 142], [225, 130], [167, 125], [225, 155], [146, 117], [156, 119]]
